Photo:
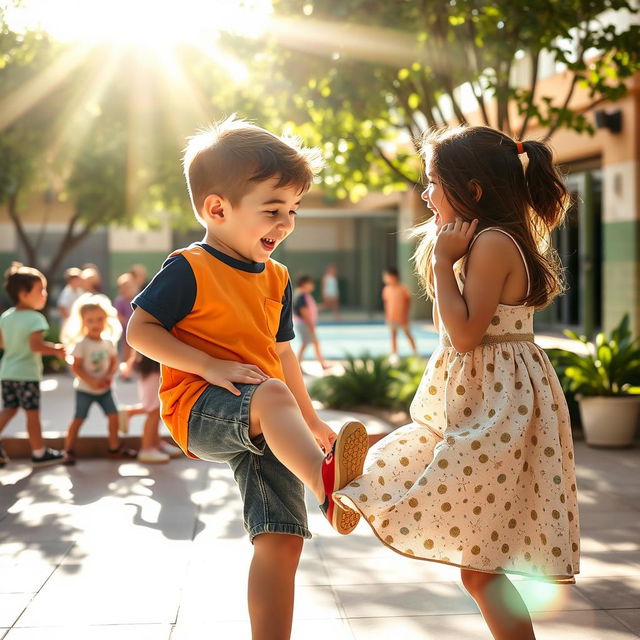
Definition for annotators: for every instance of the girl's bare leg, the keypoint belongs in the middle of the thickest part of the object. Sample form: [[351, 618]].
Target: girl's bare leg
[[500, 603], [319, 356], [275, 414], [5, 416], [271, 585], [72, 434], [150, 437], [301, 351], [113, 438]]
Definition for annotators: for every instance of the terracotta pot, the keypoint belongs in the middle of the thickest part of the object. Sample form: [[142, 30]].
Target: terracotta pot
[[609, 421]]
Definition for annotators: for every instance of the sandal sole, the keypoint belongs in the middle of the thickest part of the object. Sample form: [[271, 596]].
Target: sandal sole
[[350, 453]]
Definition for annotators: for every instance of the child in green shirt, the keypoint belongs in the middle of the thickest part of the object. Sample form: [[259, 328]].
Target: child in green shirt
[[22, 329]]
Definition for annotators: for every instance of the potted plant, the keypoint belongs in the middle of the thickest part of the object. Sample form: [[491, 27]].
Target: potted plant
[[605, 378]]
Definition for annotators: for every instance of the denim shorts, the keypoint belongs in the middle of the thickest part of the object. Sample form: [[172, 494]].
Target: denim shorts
[[84, 401], [219, 432]]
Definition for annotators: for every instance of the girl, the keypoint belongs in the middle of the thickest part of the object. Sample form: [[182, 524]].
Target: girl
[[483, 478], [92, 331], [153, 448]]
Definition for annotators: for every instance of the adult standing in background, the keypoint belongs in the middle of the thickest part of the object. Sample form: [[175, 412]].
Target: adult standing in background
[[330, 292]]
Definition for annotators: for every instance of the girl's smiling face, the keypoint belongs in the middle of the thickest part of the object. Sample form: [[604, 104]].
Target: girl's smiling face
[[436, 199], [95, 322]]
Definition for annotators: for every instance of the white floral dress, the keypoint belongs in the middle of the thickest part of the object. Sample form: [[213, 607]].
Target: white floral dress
[[483, 478]]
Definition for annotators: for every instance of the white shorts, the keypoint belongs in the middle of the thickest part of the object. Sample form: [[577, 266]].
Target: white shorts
[[148, 388]]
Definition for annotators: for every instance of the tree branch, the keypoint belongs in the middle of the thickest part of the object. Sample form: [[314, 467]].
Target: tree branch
[[534, 83], [394, 168], [476, 58], [12, 209], [572, 87]]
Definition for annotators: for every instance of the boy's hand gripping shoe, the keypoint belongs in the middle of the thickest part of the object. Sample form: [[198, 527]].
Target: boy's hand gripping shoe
[[341, 465]]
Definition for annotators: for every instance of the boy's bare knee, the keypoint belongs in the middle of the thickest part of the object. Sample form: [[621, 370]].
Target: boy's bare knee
[[273, 391], [282, 549]]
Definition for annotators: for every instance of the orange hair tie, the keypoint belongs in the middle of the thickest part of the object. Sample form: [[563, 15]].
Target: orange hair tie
[[520, 147]]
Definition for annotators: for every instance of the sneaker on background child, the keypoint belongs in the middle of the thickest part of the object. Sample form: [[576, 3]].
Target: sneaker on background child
[[91, 332], [22, 329], [218, 318]]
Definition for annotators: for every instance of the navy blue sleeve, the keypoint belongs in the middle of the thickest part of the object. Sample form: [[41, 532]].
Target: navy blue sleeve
[[170, 296], [285, 330], [300, 303]]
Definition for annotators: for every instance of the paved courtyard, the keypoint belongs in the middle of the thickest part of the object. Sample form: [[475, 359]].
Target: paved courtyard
[[127, 551]]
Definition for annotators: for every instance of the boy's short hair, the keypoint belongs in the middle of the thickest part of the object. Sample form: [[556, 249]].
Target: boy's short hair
[[302, 279], [392, 271], [229, 157], [18, 278]]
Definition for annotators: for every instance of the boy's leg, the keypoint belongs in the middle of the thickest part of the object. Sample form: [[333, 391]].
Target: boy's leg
[[271, 585], [394, 340], [275, 414], [410, 338]]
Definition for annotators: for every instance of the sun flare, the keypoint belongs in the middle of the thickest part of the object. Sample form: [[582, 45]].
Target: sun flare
[[147, 24]]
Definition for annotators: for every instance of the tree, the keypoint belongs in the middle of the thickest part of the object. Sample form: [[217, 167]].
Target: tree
[[357, 76]]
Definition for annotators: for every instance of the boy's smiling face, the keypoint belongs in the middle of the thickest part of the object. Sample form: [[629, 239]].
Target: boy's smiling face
[[252, 229]]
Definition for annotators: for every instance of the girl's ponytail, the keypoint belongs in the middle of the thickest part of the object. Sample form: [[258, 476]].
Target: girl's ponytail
[[547, 192]]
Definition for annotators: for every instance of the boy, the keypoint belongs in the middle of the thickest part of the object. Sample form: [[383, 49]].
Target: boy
[[218, 318], [396, 300], [305, 312], [22, 329]]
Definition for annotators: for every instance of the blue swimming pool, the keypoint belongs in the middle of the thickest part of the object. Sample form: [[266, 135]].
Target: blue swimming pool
[[337, 339]]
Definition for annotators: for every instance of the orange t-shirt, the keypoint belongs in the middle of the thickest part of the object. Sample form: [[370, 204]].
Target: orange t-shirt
[[235, 316], [396, 299]]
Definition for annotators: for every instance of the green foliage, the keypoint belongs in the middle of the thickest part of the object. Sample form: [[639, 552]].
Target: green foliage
[[611, 366], [407, 377], [372, 381], [363, 78], [366, 380]]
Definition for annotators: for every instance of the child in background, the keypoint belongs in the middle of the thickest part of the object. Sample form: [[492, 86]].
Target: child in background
[[22, 329], [127, 289], [330, 291], [396, 299], [153, 449], [484, 478], [72, 290], [92, 332], [305, 313]]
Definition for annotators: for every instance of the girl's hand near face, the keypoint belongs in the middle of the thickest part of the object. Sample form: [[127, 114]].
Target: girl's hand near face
[[453, 239]]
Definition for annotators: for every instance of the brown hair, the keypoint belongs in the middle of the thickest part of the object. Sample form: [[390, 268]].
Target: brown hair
[[227, 158], [19, 279], [527, 203]]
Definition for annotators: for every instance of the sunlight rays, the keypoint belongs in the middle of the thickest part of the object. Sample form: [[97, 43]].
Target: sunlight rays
[[37, 88]]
